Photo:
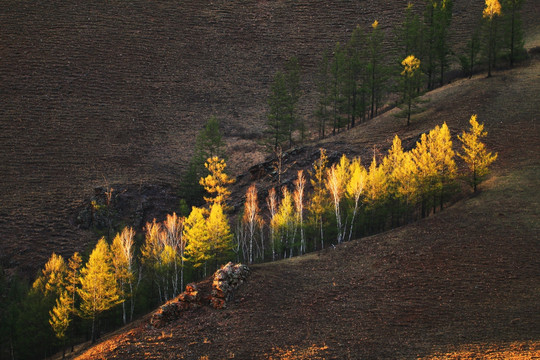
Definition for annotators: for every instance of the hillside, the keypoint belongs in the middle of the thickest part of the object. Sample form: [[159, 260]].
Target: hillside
[[98, 93], [462, 284]]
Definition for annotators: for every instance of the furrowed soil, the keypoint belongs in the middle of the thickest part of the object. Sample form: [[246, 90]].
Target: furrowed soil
[[461, 284], [99, 93]]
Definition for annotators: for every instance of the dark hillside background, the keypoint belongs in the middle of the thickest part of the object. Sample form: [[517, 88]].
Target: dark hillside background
[[115, 92]]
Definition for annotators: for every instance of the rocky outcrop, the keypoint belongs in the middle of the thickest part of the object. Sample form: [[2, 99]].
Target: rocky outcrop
[[172, 310], [226, 281]]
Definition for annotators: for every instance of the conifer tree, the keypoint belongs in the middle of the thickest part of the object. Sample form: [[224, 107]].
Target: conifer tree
[[355, 69], [490, 14], [60, 318], [443, 18], [513, 32], [219, 235], [197, 238], [376, 68], [278, 114], [292, 83], [99, 291], [323, 86], [337, 98], [52, 279], [409, 34], [426, 170], [217, 182], [475, 155], [411, 78]]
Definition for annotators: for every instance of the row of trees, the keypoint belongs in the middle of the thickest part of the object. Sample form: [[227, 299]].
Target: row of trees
[[356, 77], [69, 299], [349, 199]]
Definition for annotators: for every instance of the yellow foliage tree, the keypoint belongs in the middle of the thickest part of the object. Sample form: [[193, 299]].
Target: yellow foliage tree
[[284, 223], [208, 239], [99, 290], [251, 217], [355, 187], [411, 76], [376, 184], [319, 200], [52, 280], [217, 182], [336, 184], [475, 155]]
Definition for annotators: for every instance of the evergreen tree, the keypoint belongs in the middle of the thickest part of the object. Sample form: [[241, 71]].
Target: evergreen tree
[[322, 113], [443, 18], [512, 26], [490, 14], [292, 84], [99, 291], [278, 114], [376, 69], [209, 143], [337, 98], [474, 152]]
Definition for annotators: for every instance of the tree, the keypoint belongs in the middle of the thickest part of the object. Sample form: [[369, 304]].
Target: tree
[[123, 252], [336, 181], [52, 278], [271, 202], [292, 83], [173, 227], [298, 197], [251, 217], [513, 32], [60, 317], [278, 113], [284, 223], [219, 235], [151, 258], [490, 14], [337, 98], [209, 143], [376, 68], [443, 18], [72, 282], [323, 80], [197, 238], [411, 77], [410, 33], [319, 200], [216, 182], [354, 79], [355, 187], [443, 155], [475, 155], [99, 291]]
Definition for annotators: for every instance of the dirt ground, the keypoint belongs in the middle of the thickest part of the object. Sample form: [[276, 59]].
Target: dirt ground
[[461, 284]]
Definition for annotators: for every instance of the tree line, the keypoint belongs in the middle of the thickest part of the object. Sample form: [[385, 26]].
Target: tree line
[[356, 79]]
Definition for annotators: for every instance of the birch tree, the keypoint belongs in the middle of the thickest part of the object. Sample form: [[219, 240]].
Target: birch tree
[[298, 197], [355, 187], [251, 217], [272, 202], [336, 181]]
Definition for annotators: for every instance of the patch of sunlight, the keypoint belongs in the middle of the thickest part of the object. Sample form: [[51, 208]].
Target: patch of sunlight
[[517, 350], [314, 352]]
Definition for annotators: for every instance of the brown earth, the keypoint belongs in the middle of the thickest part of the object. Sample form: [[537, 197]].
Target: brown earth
[[97, 93], [461, 284]]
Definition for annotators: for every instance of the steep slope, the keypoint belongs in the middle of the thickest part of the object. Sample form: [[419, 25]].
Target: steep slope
[[464, 282], [114, 92]]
